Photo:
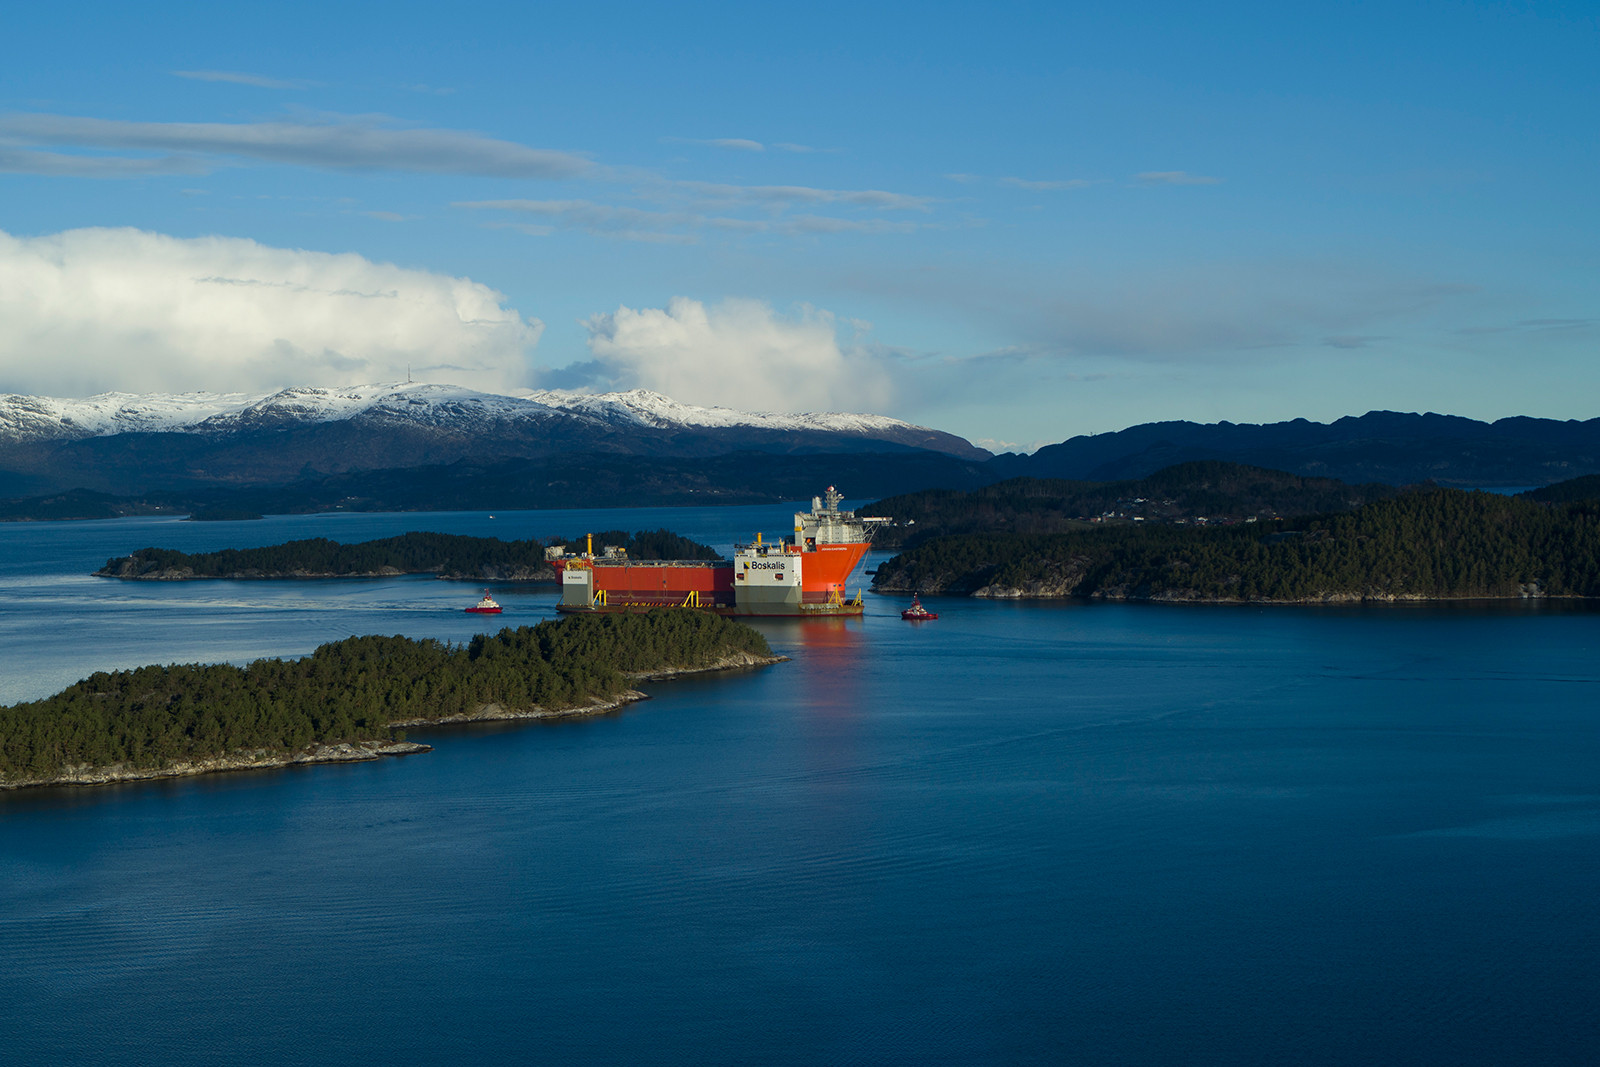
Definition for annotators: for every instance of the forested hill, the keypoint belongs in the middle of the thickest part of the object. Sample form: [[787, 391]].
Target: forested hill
[[1438, 543], [1585, 488], [447, 555], [186, 718], [1400, 448], [1199, 492]]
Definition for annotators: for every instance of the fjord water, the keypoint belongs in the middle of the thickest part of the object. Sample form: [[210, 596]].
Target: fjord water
[[1023, 833]]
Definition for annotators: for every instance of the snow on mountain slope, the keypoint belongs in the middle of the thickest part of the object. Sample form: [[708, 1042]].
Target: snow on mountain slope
[[433, 405], [646, 408], [46, 417], [24, 418]]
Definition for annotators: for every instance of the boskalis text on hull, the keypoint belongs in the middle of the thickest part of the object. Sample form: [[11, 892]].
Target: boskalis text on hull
[[802, 575]]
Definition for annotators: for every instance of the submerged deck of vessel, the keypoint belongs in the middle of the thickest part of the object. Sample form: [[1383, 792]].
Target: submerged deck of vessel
[[805, 574]]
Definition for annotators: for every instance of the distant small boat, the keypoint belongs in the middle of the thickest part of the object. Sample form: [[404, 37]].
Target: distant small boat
[[917, 612], [486, 606]]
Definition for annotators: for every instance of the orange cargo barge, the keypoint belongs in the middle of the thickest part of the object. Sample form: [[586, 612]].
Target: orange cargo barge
[[804, 575]]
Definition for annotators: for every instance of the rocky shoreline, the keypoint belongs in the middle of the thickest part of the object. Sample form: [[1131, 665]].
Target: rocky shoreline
[[364, 751], [1063, 580], [249, 760], [1051, 591], [1194, 598]]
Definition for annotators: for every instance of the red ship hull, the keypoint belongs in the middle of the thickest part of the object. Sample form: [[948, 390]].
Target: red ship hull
[[641, 584], [828, 567], [802, 576]]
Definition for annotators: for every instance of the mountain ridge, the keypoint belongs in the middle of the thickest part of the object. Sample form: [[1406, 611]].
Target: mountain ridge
[[1398, 448], [119, 442], [107, 414], [418, 445]]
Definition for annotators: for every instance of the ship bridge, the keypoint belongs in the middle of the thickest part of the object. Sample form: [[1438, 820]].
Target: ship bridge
[[827, 524]]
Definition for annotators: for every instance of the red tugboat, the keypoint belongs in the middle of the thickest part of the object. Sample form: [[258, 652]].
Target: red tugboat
[[486, 606], [916, 612]]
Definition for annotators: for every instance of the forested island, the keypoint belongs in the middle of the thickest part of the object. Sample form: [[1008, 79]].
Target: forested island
[[1201, 493], [452, 556], [349, 699], [1427, 544], [1586, 487]]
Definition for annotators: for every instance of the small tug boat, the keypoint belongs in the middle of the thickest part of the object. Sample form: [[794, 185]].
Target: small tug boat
[[917, 612], [486, 606]]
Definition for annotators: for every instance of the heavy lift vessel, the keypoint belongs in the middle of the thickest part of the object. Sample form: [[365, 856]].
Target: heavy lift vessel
[[804, 575]]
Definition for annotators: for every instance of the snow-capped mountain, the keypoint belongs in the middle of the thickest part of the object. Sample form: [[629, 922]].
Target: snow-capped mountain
[[51, 418], [654, 410], [121, 441]]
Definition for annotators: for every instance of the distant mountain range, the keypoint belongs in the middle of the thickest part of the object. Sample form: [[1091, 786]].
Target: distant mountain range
[[424, 447], [1380, 446], [127, 443]]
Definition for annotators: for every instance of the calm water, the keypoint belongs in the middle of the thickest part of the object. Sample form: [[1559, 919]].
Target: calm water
[[1023, 833]]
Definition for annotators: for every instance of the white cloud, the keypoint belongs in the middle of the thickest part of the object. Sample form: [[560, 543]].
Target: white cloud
[[605, 219], [1048, 185], [345, 144], [637, 224], [65, 165], [997, 446], [818, 224], [738, 144], [92, 310], [1173, 177], [1224, 312], [1533, 326], [259, 81], [1188, 313], [738, 353], [781, 196], [744, 144]]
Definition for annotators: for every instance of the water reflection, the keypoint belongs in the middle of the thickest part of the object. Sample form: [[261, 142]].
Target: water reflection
[[828, 654], [830, 708]]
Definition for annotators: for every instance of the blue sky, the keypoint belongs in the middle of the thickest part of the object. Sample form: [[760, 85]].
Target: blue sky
[[1016, 222]]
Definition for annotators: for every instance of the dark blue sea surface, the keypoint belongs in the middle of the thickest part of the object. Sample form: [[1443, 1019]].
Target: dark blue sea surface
[[1023, 833]]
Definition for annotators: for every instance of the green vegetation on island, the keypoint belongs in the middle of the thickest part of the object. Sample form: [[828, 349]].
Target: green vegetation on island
[[1201, 492], [153, 719], [446, 555], [1584, 488], [1436, 543]]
